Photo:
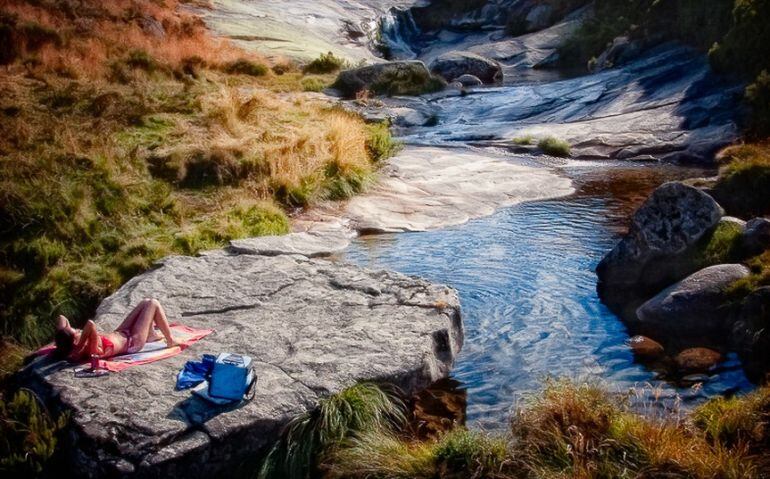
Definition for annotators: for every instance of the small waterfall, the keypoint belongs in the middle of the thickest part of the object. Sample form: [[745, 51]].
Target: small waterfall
[[397, 34]]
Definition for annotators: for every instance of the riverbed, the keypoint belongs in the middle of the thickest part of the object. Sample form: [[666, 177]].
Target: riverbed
[[528, 292]]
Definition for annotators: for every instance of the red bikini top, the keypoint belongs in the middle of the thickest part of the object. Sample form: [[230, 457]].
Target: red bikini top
[[106, 343]]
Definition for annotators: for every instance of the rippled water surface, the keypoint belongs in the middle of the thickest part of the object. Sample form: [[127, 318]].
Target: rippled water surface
[[527, 288]]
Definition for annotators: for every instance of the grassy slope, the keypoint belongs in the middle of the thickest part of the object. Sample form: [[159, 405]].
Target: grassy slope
[[119, 146]]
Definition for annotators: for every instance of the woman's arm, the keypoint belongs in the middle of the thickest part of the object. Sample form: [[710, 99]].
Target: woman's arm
[[89, 342]]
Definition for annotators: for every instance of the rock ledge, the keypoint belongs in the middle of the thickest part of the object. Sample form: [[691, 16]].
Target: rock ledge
[[312, 326]]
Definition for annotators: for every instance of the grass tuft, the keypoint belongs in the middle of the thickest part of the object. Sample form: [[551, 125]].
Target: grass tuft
[[243, 66], [325, 63], [359, 408], [744, 180], [524, 140], [555, 147]]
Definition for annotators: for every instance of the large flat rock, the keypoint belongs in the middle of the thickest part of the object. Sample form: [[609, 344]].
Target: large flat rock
[[312, 326], [430, 187]]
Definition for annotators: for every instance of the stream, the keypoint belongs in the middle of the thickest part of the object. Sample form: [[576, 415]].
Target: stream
[[528, 291]]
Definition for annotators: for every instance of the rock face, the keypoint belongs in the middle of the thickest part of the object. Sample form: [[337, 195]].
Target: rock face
[[313, 327], [695, 306], [452, 65], [409, 77], [756, 237], [751, 332], [648, 258]]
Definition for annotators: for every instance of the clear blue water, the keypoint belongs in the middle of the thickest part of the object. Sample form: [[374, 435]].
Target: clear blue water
[[526, 280]]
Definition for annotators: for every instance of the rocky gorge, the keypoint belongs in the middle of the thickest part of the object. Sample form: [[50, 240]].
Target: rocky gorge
[[477, 199]]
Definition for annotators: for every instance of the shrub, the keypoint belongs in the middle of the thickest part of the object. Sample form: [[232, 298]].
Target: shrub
[[245, 67], [357, 409], [523, 140], [325, 63], [409, 81], [380, 143], [744, 181], [554, 146], [28, 435], [314, 84]]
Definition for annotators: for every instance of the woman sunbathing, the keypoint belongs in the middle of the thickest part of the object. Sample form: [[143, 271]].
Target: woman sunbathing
[[130, 337]]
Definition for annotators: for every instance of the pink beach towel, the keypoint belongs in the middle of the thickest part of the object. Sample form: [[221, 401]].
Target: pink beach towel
[[151, 352]]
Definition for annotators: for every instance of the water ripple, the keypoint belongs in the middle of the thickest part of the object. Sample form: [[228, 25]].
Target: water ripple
[[528, 292]]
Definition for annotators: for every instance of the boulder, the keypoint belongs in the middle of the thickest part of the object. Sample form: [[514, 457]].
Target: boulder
[[652, 254], [756, 237], [312, 327], [454, 64], [469, 80], [646, 348], [751, 333], [407, 77], [621, 50], [540, 17], [696, 306], [697, 360]]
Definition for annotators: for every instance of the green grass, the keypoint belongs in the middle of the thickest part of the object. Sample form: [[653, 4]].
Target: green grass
[[737, 420], [245, 67], [524, 140], [407, 82], [572, 431], [380, 143], [458, 453], [325, 63], [744, 181], [554, 147], [28, 435], [314, 84], [723, 245], [357, 409]]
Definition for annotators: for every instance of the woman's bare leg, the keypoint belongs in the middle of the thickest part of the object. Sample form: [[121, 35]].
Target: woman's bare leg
[[152, 314], [128, 323]]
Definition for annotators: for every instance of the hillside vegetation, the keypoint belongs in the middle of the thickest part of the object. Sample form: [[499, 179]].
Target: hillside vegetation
[[565, 431], [128, 132]]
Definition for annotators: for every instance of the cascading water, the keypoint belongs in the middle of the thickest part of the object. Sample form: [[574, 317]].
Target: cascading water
[[397, 33]]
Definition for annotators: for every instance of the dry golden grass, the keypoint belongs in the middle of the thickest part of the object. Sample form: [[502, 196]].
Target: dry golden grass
[[118, 147], [88, 36]]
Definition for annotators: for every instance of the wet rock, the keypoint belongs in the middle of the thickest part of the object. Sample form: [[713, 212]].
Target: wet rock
[[469, 80], [427, 188], [454, 64], [408, 77], [650, 256], [751, 333], [313, 327], [756, 237], [696, 306], [646, 348], [697, 360]]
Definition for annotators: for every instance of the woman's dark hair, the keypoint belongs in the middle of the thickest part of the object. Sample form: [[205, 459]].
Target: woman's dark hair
[[65, 342]]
